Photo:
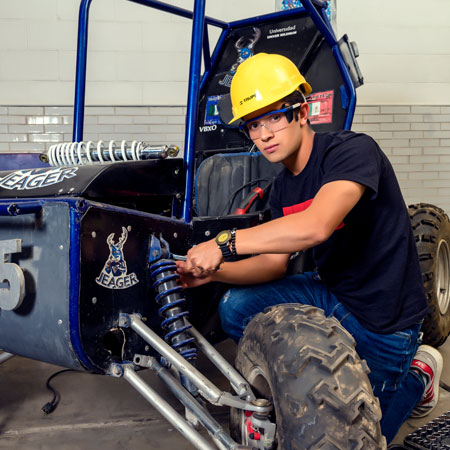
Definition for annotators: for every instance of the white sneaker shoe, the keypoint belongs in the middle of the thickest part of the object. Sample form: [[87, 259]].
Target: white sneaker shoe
[[428, 362]]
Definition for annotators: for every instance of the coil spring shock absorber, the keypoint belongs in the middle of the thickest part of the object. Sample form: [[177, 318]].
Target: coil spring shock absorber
[[171, 300]]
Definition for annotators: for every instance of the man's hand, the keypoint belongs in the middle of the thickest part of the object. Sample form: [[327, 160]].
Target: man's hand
[[187, 279], [204, 259]]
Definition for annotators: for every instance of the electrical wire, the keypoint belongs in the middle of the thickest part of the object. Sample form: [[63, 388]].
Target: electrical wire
[[49, 407], [227, 208]]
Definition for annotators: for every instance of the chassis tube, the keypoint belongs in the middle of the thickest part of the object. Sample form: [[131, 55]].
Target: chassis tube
[[209, 423], [211, 392], [80, 75], [4, 356], [195, 438], [238, 382], [198, 28]]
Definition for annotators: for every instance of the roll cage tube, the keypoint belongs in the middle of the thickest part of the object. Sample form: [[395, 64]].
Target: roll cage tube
[[314, 8]]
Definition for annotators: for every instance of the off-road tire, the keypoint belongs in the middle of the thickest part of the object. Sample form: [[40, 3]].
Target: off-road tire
[[306, 364], [431, 228]]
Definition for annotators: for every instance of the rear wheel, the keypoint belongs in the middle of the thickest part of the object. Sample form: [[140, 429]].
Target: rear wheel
[[431, 228], [307, 366]]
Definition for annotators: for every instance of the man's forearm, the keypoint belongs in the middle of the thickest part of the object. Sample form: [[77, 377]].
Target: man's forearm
[[254, 270]]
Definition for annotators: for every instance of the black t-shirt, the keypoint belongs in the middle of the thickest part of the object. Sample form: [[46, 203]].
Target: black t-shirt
[[370, 261]]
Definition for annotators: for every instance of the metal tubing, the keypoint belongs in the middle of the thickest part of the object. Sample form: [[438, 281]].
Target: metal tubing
[[209, 423], [166, 410], [80, 76], [205, 387], [238, 382], [192, 104], [4, 356], [179, 11], [19, 208], [206, 50]]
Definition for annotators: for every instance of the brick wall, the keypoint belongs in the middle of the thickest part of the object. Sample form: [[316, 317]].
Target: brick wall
[[415, 138]]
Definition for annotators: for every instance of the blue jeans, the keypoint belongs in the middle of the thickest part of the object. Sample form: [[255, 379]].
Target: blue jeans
[[388, 356]]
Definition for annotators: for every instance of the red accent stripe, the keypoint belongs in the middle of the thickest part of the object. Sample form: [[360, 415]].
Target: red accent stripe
[[299, 207]]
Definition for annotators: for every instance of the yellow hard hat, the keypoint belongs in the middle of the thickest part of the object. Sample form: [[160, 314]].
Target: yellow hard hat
[[262, 80]]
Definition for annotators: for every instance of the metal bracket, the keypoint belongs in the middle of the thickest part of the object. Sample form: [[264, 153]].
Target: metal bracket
[[117, 370], [159, 248]]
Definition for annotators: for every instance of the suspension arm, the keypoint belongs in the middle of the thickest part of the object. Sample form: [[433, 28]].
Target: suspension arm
[[166, 409], [207, 389]]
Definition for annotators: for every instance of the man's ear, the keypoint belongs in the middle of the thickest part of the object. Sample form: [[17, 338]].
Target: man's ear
[[304, 113]]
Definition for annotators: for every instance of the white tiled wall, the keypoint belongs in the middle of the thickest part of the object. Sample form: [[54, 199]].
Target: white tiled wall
[[415, 138], [417, 142], [139, 56], [35, 128]]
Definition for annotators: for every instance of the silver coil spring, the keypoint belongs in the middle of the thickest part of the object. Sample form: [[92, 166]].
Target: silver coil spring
[[172, 304], [85, 153]]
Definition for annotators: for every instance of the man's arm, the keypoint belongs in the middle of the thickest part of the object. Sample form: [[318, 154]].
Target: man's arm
[[253, 270], [287, 234], [305, 229]]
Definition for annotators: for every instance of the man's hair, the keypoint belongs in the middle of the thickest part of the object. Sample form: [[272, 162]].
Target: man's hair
[[293, 98]]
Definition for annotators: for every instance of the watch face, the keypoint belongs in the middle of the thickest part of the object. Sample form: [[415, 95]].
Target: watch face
[[223, 237]]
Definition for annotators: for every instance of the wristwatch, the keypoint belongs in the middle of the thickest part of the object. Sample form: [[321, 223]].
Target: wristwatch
[[226, 242]]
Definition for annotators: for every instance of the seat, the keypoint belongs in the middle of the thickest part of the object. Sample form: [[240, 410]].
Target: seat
[[226, 182]]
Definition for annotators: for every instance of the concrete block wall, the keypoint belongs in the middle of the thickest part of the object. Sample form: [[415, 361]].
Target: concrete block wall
[[415, 138]]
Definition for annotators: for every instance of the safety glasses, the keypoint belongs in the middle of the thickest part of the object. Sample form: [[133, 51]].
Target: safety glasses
[[272, 121]]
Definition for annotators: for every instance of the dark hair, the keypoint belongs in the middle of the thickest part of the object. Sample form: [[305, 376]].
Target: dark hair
[[293, 98]]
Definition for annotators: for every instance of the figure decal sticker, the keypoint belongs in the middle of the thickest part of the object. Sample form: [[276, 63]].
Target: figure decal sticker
[[244, 52], [114, 273]]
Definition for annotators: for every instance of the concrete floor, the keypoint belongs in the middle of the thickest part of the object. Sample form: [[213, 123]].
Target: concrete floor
[[99, 412]]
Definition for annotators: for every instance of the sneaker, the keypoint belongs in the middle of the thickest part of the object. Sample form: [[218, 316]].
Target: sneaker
[[428, 362]]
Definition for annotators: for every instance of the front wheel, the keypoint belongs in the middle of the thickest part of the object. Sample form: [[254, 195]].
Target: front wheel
[[307, 366]]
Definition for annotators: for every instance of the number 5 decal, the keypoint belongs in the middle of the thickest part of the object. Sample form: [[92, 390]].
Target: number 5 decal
[[12, 281]]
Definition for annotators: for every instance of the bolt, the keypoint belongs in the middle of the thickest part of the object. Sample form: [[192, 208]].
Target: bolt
[[176, 171], [155, 253], [207, 233], [61, 247], [178, 196], [147, 348], [117, 370], [59, 322], [94, 300], [175, 235], [94, 234], [129, 227]]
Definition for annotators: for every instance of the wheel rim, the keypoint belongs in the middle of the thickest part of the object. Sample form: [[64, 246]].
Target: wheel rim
[[443, 276]]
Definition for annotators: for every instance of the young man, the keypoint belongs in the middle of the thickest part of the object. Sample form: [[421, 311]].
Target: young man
[[339, 196]]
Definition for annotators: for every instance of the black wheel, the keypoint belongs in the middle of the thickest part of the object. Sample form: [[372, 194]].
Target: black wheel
[[307, 366], [431, 228]]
